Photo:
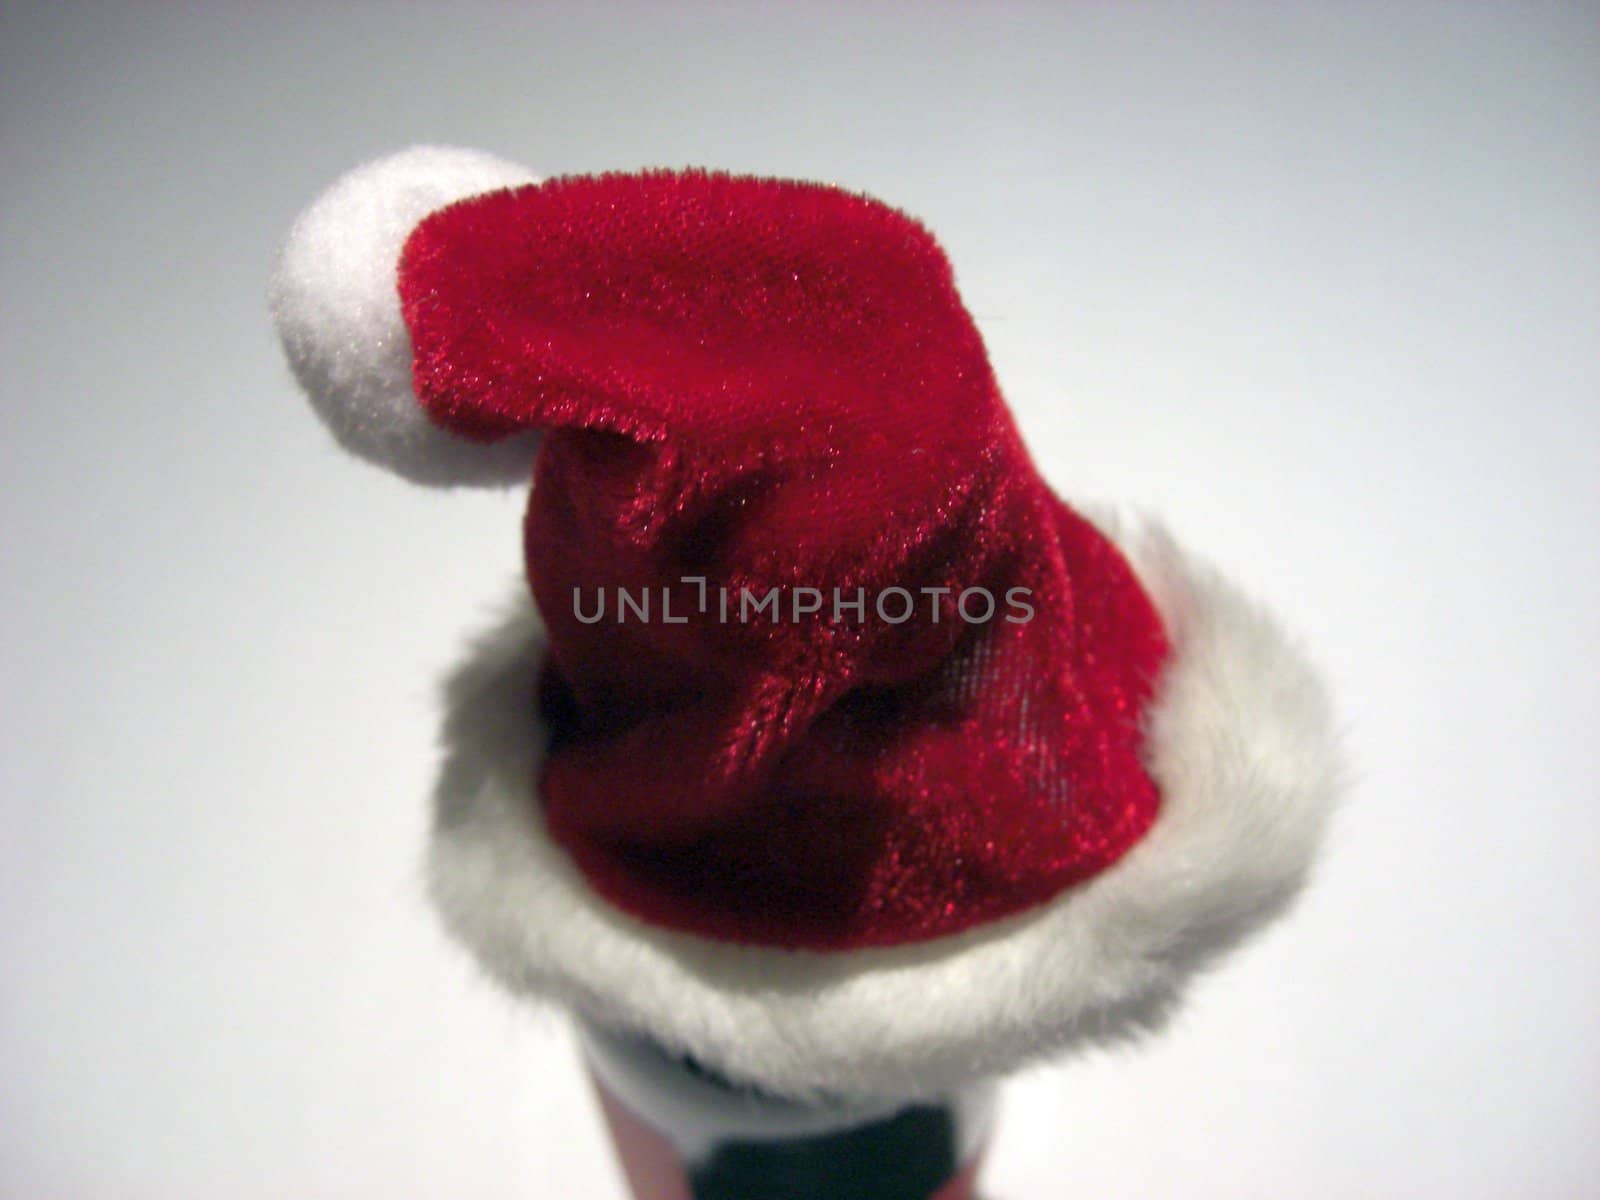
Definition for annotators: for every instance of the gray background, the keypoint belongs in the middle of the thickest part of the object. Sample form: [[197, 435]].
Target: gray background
[[1320, 285]]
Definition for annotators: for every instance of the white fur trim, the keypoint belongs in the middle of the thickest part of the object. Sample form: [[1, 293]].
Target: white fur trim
[[697, 1114], [1241, 742], [336, 304]]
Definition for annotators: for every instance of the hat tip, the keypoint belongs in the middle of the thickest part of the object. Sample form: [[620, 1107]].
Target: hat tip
[[336, 305]]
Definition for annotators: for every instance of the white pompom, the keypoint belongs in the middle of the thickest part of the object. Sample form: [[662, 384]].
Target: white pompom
[[336, 304]]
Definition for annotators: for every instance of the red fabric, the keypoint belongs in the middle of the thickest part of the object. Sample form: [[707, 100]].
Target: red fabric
[[961, 1187], [775, 385]]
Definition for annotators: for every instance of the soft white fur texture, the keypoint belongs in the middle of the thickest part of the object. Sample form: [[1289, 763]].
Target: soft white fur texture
[[696, 1114], [1241, 742], [336, 304]]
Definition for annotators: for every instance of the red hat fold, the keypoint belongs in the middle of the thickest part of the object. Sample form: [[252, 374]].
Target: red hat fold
[[767, 393]]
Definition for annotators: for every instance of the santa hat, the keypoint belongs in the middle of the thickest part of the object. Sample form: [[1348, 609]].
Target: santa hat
[[826, 745]]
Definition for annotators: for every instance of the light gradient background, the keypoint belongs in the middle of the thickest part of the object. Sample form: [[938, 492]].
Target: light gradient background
[[1320, 285]]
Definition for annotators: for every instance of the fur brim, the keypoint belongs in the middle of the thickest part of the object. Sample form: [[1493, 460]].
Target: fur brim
[[1240, 741]]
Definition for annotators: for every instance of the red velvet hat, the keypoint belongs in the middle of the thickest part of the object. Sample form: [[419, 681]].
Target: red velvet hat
[[826, 694]]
